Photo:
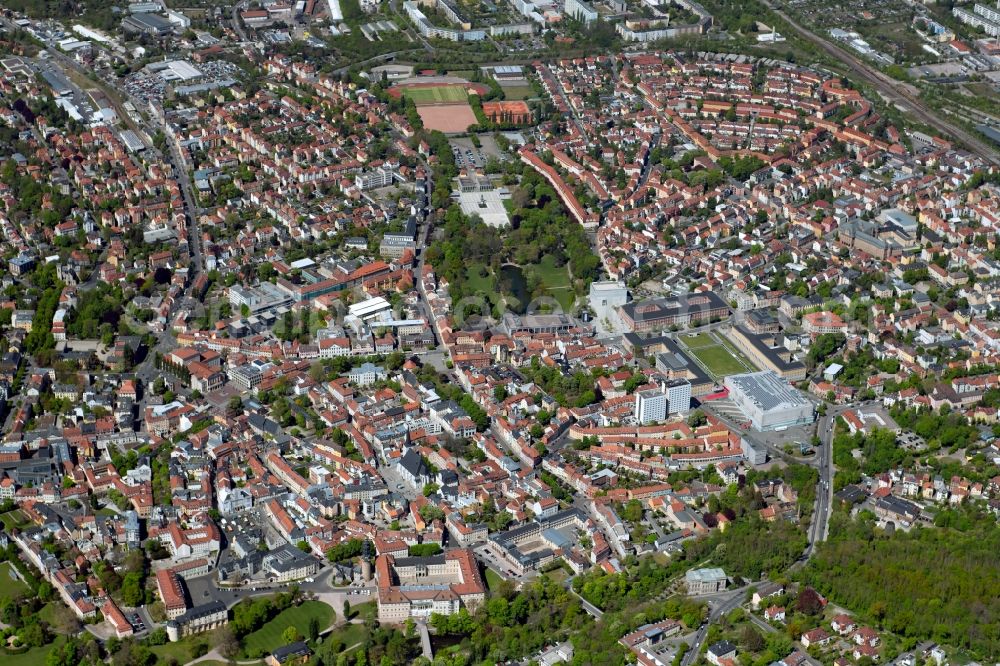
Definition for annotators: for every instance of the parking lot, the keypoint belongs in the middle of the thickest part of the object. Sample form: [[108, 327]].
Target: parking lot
[[396, 484], [499, 566], [466, 155]]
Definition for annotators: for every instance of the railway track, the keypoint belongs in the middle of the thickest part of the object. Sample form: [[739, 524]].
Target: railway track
[[892, 90]]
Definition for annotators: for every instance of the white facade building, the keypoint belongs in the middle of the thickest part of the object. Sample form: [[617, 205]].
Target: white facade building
[[678, 396], [651, 406]]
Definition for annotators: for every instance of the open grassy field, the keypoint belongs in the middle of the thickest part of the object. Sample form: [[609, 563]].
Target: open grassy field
[[348, 634], [182, 651], [719, 361], [269, 637], [492, 579], [738, 354], [360, 610], [478, 281], [518, 92], [13, 519], [32, 657], [436, 94], [10, 585], [698, 340], [556, 281]]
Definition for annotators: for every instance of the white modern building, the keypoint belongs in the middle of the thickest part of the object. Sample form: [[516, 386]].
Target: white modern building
[[651, 406], [605, 296], [678, 396], [580, 10], [768, 401]]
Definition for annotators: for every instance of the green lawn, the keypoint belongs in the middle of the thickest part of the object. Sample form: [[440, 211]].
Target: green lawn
[[737, 353], [48, 611], [698, 340], [13, 519], [515, 93], [554, 278], [479, 282], [360, 610], [10, 585], [436, 94], [348, 634], [492, 579], [181, 651], [268, 637], [556, 281], [719, 361], [32, 657], [558, 575]]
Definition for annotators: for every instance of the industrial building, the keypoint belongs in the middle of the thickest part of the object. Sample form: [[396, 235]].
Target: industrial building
[[148, 24], [768, 401]]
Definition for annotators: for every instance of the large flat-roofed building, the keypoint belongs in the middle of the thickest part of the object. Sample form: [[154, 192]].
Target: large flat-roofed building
[[262, 298], [419, 586], [685, 310], [149, 24], [769, 401], [394, 246], [705, 581], [763, 349], [538, 323], [373, 308]]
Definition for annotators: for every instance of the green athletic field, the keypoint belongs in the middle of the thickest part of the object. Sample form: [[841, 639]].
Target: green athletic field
[[436, 94]]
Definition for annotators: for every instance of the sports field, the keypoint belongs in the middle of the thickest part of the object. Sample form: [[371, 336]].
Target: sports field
[[436, 94], [716, 355], [450, 118], [719, 361]]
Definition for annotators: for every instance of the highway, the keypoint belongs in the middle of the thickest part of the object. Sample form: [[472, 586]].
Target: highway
[[892, 90]]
